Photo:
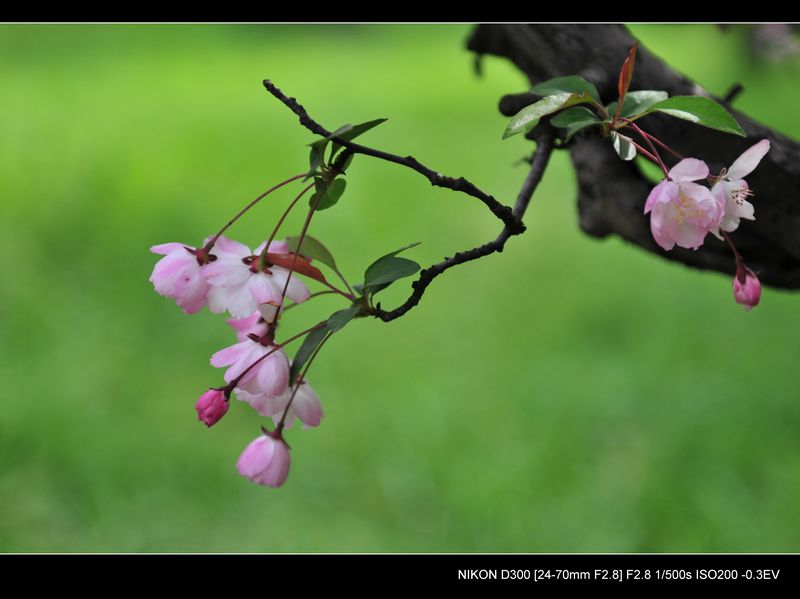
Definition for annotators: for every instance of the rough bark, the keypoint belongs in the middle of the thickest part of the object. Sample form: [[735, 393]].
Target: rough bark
[[611, 193]]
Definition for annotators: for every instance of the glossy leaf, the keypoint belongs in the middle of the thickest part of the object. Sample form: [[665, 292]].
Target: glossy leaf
[[339, 319], [329, 193], [700, 110], [527, 118], [310, 343], [637, 103], [623, 146], [316, 157], [574, 119], [312, 248], [570, 84]]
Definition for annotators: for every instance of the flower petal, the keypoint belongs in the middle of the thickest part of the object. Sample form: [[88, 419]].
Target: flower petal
[[748, 161], [689, 169]]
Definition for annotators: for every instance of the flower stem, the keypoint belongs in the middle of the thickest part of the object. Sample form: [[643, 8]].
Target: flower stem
[[214, 239], [265, 251], [736, 253], [300, 378], [644, 136], [646, 153]]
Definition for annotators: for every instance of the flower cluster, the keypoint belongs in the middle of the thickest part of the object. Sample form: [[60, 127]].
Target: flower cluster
[[252, 287], [683, 212]]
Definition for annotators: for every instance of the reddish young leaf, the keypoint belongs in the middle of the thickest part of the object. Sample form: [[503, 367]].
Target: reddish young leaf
[[301, 265], [626, 73]]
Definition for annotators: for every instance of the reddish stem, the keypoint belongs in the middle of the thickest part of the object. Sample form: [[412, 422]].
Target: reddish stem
[[214, 239], [300, 379], [280, 222]]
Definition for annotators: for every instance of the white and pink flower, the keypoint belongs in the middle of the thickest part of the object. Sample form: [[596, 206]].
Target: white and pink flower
[[683, 212], [241, 288], [270, 376], [732, 190], [265, 461], [178, 275]]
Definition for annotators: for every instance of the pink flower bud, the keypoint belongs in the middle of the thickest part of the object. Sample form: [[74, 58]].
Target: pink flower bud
[[748, 293], [211, 406], [265, 461]]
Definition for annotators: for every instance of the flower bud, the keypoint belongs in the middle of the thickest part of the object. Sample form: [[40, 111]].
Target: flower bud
[[265, 461], [748, 293], [211, 406]]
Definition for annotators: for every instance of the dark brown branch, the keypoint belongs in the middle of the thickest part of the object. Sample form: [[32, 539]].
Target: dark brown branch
[[611, 193], [460, 184], [538, 166]]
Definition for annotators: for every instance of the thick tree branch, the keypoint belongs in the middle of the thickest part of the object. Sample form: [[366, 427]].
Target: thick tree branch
[[611, 193]]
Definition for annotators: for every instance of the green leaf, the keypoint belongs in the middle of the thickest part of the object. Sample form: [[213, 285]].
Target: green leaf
[[329, 193], [527, 118], [623, 146], [310, 343], [570, 84], [575, 119], [312, 248], [337, 320], [316, 157], [350, 132], [387, 269], [702, 111], [638, 102]]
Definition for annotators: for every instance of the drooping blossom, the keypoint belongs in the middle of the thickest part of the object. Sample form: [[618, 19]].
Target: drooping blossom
[[265, 461], [211, 406], [732, 190], [249, 325], [747, 293], [240, 286], [178, 275], [305, 405], [269, 377], [683, 212]]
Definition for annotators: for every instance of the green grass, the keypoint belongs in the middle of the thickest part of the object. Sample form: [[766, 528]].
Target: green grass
[[567, 395]]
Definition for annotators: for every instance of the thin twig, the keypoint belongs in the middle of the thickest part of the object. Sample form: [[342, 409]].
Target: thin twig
[[461, 184], [538, 166]]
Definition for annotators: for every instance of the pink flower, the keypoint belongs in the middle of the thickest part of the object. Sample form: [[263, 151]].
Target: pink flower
[[250, 325], [211, 406], [731, 189], [305, 405], [238, 287], [683, 212], [747, 293], [177, 275], [265, 461], [269, 377]]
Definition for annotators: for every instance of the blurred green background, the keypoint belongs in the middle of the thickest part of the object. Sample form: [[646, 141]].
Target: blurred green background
[[568, 395]]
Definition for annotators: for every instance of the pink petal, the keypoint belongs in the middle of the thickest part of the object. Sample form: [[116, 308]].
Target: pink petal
[[748, 161], [229, 355], [226, 271], [264, 289], [167, 248], [664, 192], [689, 169], [276, 247], [229, 246], [307, 406], [273, 374]]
